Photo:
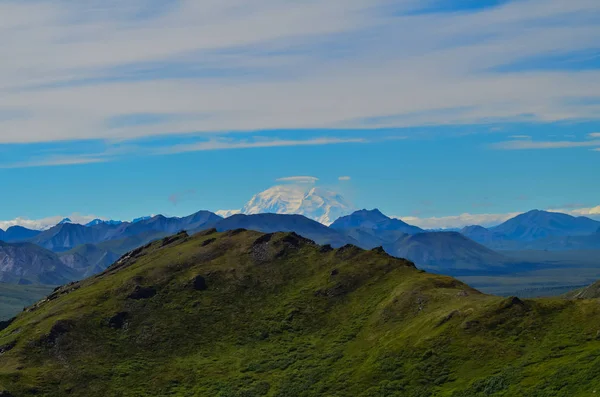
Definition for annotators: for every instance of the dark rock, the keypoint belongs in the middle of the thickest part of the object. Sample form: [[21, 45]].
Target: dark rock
[[206, 232], [171, 239], [335, 272], [60, 328], [142, 293], [199, 283], [470, 324], [265, 238], [235, 232], [119, 320], [511, 301], [325, 248], [379, 250], [348, 249], [294, 240], [7, 323], [448, 317], [7, 347], [207, 242]]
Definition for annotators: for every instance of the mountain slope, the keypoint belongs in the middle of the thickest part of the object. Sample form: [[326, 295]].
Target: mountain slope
[[319, 204], [482, 235], [269, 223], [446, 251], [66, 236], [17, 233], [26, 263], [246, 314], [373, 220], [537, 224]]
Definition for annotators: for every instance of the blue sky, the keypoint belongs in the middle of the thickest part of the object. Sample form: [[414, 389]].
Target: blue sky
[[443, 113]]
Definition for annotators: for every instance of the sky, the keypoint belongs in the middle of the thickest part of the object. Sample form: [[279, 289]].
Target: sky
[[442, 113]]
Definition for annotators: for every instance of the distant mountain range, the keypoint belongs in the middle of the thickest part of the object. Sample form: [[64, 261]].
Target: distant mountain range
[[539, 230], [26, 263], [66, 236], [17, 233], [71, 251]]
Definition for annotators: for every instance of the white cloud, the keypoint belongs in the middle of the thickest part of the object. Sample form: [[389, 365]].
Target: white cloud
[[486, 220], [298, 179], [344, 178], [520, 137], [525, 144], [222, 144], [46, 223], [69, 70], [228, 213], [459, 221], [594, 135], [590, 211], [54, 161]]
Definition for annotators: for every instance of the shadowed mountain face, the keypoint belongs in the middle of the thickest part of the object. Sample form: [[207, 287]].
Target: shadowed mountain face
[[242, 313], [539, 230], [536, 224], [25, 263], [482, 235], [375, 221], [64, 237], [17, 233], [445, 251]]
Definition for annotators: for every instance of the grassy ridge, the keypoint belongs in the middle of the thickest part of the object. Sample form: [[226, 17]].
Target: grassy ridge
[[246, 314]]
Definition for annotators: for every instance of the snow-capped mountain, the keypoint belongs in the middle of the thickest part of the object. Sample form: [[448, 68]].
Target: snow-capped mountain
[[320, 204], [227, 213], [102, 221]]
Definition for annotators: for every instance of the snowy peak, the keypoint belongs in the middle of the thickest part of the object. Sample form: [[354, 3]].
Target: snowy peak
[[96, 222], [316, 203], [65, 221]]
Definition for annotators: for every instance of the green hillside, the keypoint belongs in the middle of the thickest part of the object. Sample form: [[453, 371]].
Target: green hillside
[[242, 313]]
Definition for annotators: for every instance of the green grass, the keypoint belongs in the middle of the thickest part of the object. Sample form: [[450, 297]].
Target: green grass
[[286, 318]]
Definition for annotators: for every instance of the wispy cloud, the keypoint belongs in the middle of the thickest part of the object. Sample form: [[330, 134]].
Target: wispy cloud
[[526, 144], [126, 70], [344, 178], [46, 223], [594, 135], [520, 137], [229, 144], [54, 161], [298, 179], [176, 198], [488, 220], [459, 221], [586, 211], [228, 213]]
